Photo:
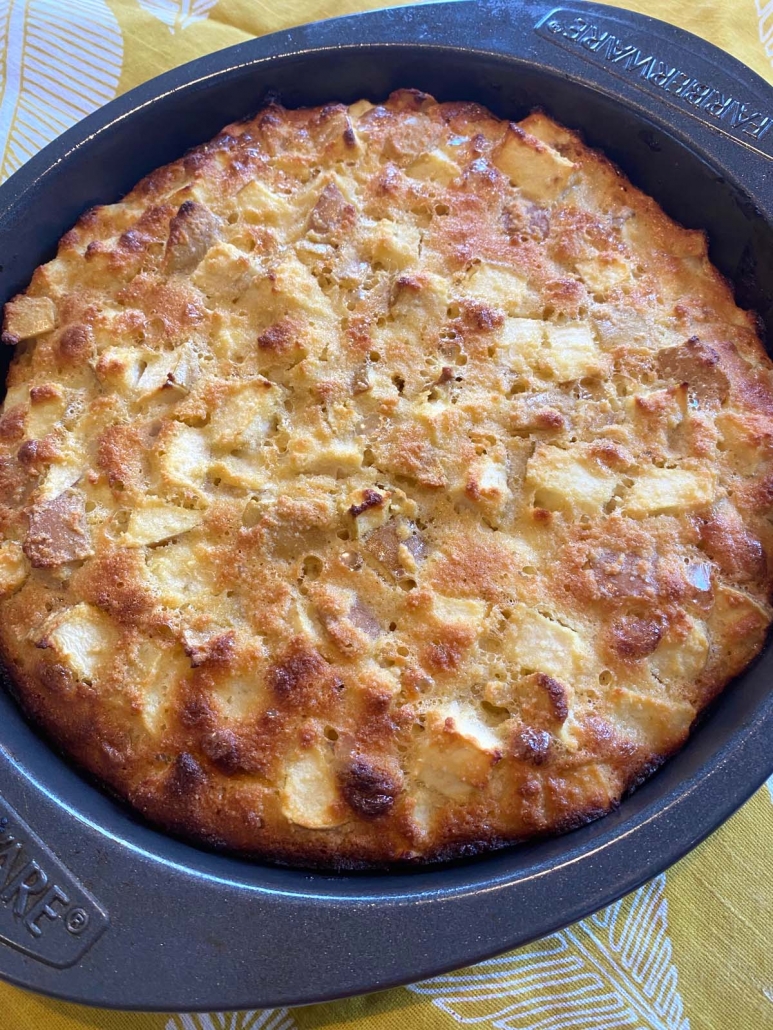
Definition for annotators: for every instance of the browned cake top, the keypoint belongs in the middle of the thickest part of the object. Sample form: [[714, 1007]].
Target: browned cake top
[[380, 483]]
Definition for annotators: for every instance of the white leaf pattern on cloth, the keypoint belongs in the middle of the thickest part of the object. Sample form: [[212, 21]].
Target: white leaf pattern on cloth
[[58, 63], [264, 1019], [610, 971], [178, 14], [765, 22]]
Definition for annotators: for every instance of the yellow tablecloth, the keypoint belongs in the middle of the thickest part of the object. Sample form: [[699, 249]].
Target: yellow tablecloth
[[692, 950]]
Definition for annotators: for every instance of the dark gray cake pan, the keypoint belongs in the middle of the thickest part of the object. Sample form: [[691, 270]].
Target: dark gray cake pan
[[98, 907]]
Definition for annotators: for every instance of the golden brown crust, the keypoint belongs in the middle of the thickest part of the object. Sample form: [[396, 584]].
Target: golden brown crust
[[382, 483]]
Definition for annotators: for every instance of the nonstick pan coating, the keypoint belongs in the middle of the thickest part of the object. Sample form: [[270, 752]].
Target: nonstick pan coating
[[149, 922]]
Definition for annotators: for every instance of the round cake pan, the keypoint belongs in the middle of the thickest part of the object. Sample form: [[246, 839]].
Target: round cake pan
[[100, 908]]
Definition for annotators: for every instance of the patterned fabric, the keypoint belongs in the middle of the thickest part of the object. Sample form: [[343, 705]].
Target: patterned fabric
[[692, 950]]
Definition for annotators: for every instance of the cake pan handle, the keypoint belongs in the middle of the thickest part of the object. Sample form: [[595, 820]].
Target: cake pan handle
[[677, 69], [46, 913]]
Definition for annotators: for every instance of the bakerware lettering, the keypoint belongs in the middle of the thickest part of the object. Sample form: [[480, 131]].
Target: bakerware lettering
[[25, 888], [611, 49], [44, 911]]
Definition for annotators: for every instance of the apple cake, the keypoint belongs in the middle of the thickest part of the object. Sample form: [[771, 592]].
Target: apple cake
[[380, 483]]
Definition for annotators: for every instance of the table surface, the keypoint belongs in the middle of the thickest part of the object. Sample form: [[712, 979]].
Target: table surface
[[692, 949]]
